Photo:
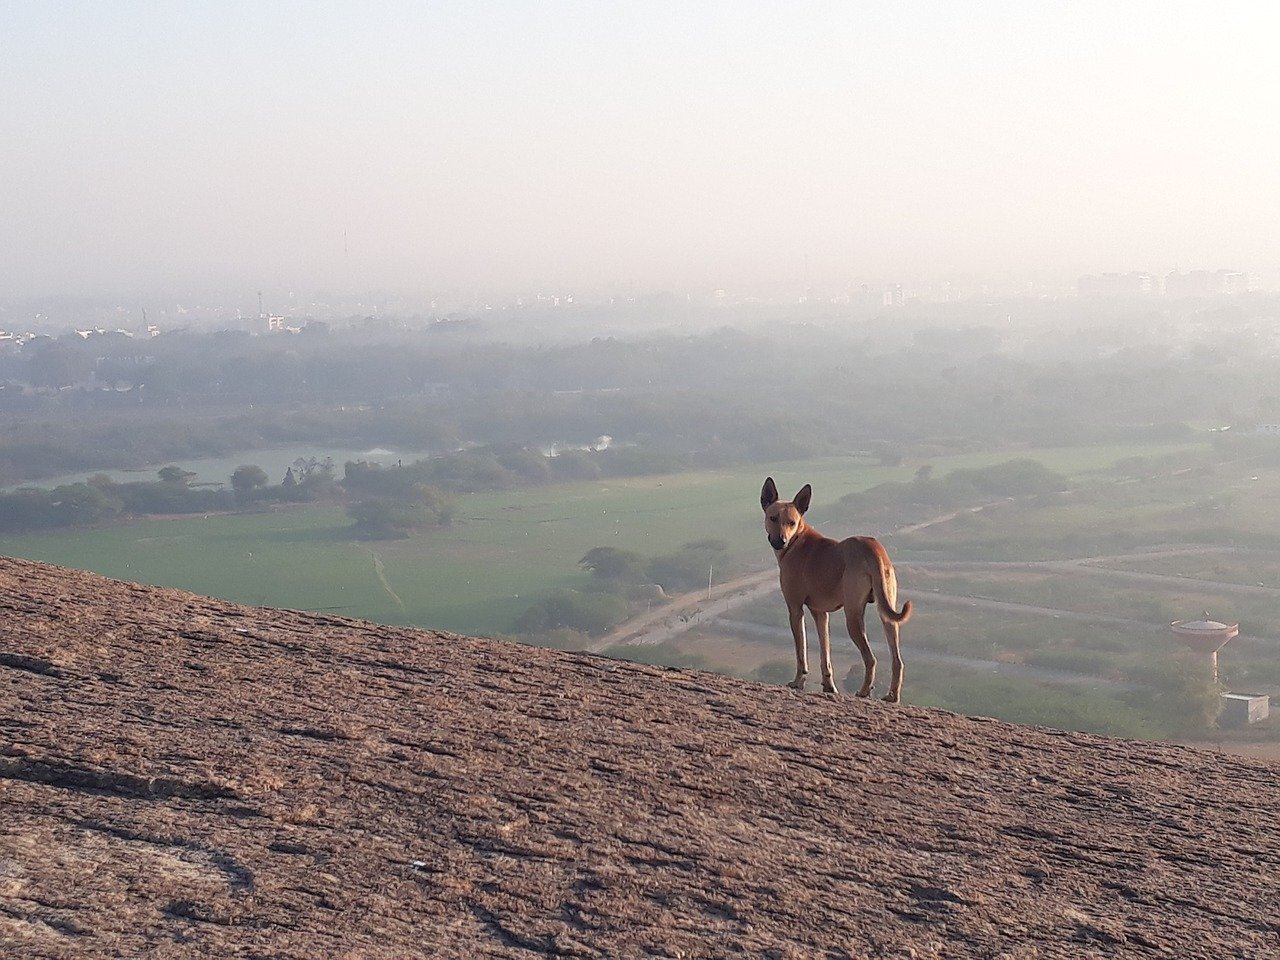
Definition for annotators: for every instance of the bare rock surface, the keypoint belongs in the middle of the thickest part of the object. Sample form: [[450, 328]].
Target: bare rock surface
[[182, 776]]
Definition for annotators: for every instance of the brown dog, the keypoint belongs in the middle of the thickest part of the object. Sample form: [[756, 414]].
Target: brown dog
[[824, 575]]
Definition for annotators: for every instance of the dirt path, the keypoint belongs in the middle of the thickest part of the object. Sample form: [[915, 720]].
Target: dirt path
[[380, 571]]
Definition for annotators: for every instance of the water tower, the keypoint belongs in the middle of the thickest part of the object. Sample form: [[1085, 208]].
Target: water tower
[[1206, 637]]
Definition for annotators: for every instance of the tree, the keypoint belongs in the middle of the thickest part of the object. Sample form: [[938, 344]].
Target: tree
[[575, 465], [1182, 696], [592, 613], [79, 504], [56, 365], [890, 456], [173, 474], [245, 479], [688, 568], [383, 518], [610, 563], [435, 503], [318, 479]]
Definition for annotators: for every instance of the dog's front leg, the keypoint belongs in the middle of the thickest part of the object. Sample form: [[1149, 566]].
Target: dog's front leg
[[822, 621], [802, 657]]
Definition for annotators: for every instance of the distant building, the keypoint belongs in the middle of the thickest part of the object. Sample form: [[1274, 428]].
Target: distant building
[[1117, 285], [1242, 709], [1196, 283], [1235, 283], [1206, 283]]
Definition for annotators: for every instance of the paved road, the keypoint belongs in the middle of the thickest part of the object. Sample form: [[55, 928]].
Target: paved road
[[1004, 606], [1092, 566], [687, 611]]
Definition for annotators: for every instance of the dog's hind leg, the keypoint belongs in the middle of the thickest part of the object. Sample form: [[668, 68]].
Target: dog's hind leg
[[822, 621], [855, 617], [802, 657], [895, 687]]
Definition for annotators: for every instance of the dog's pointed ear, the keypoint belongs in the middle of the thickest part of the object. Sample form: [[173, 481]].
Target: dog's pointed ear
[[768, 493], [802, 498]]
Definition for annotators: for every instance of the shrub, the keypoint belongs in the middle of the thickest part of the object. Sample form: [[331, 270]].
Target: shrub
[[591, 613], [1180, 695], [610, 563], [386, 519], [688, 568]]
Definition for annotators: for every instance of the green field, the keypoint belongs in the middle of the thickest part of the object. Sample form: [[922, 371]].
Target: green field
[[506, 549]]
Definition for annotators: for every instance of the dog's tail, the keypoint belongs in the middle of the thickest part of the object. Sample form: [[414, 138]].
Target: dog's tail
[[885, 590]]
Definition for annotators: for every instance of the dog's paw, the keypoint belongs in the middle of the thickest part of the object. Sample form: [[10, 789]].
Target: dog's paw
[[797, 683], [865, 692], [830, 688], [891, 697]]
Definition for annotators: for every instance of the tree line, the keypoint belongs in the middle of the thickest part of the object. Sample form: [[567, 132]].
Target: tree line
[[920, 388], [383, 502], [99, 499]]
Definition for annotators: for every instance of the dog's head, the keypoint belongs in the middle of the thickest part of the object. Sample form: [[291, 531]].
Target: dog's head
[[783, 519]]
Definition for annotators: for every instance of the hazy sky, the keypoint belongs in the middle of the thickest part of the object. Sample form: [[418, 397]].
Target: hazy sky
[[512, 145]]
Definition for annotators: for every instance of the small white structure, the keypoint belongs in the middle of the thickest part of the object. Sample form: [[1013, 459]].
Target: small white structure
[[1205, 636], [1242, 709]]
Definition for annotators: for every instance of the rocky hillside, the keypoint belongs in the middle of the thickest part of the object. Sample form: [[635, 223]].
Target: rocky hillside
[[182, 776]]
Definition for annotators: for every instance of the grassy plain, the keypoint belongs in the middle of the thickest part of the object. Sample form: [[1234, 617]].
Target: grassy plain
[[1224, 503], [506, 549]]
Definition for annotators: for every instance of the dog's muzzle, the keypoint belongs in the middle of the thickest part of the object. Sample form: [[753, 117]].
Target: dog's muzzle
[[777, 543]]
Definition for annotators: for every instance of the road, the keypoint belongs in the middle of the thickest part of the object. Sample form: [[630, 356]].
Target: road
[[688, 610]]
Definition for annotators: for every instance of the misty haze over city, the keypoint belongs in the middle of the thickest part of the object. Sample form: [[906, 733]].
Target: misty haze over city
[[335, 155]]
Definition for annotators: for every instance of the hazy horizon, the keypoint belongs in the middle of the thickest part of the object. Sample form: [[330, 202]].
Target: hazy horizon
[[516, 145]]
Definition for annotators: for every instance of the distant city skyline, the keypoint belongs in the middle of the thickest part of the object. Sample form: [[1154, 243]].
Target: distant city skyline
[[153, 313], [187, 149]]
